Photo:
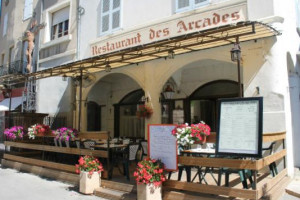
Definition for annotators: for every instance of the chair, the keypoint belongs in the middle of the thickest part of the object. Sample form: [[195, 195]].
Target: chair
[[129, 155], [89, 144], [272, 166], [244, 175], [144, 145]]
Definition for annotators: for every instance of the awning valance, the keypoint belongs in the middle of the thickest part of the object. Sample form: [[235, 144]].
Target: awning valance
[[196, 41]]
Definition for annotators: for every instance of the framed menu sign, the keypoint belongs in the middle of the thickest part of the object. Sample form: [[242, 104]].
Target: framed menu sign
[[162, 145], [239, 129]]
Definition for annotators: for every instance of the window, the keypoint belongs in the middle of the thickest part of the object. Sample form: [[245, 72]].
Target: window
[[184, 5], [60, 23], [10, 55], [27, 9], [5, 24], [0, 9], [110, 15], [2, 59]]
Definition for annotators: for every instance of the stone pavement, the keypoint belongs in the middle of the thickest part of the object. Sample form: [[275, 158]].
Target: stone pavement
[[293, 189], [16, 185]]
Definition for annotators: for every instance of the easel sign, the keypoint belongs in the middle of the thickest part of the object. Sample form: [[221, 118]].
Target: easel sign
[[239, 130], [162, 145]]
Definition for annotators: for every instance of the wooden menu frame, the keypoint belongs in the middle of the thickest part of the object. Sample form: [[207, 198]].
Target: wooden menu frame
[[239, 130], [165, 145]]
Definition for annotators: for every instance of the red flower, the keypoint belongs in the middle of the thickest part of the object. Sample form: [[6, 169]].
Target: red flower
[[88, 164], [149, 171]]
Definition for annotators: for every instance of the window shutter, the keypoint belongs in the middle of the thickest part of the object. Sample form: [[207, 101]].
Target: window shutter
[[182, 4], [60, 16], [27, 9], [5, 24]]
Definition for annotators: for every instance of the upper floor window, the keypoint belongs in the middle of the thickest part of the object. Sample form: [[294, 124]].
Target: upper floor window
[[5, 21], [27, 9], [110, 15], [184, 5], [0, 9], [60, 23]]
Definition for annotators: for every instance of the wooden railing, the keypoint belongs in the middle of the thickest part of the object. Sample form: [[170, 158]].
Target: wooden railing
[[258, 189], [104, 135]]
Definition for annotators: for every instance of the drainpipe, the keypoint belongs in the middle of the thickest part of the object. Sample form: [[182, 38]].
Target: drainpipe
[[80, 11]]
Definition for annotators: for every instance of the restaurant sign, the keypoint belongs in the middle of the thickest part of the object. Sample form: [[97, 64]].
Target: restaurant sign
[[169, 29]]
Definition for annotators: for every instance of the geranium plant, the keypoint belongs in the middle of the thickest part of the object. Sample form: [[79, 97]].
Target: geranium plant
[[150, 171], [14, 132], [65, 134], [89, 164], [187, 135], [38, 129], [144, 111]]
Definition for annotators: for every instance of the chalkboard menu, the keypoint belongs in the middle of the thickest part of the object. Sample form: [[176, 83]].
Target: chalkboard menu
[[240, 127], [162, 145]]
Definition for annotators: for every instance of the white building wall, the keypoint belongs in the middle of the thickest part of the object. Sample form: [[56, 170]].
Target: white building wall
[[264, 63]]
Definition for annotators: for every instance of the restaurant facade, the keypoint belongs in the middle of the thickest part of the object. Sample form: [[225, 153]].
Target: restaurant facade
[[173, 56]]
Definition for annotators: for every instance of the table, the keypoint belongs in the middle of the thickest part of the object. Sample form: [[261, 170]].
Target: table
[[110, 146], [200, 173]]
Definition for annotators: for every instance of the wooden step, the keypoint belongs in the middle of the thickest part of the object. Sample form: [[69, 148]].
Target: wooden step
[[172, 195], [118, 186], [278, 190], [41, 171], [293, 188], [114, 194]]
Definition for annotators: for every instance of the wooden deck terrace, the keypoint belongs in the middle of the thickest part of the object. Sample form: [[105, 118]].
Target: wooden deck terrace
[[264, 185]]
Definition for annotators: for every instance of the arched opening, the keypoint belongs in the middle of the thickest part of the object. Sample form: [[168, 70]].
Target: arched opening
[[110, 100], [196, 88], [94, 116], [203, 101], [127, 124]]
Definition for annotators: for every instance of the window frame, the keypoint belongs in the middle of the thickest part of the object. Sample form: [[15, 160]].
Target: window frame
[[57, 33], [110, 17], [191, 6]]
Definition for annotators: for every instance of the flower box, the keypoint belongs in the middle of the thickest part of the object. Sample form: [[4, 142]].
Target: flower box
[[90, 173], [149, 192], [89, 182], [149, 177]]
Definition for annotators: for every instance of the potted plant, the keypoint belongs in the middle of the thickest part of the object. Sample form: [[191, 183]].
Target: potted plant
[[14, 132], [38, 130], [144, 111], [149, 177], [187, 135], [65, 134], [90, 170]]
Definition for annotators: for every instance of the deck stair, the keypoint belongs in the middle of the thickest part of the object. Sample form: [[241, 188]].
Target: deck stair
[[116, 191], [293, 188]]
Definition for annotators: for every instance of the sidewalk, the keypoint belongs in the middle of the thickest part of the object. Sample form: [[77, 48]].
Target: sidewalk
[[16, 185]]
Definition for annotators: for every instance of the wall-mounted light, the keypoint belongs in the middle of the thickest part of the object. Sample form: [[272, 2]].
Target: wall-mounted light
[[257, 90], [64, 77], [168, 91], [235, 52], [171, 54], [107, 67], [144, 99]]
